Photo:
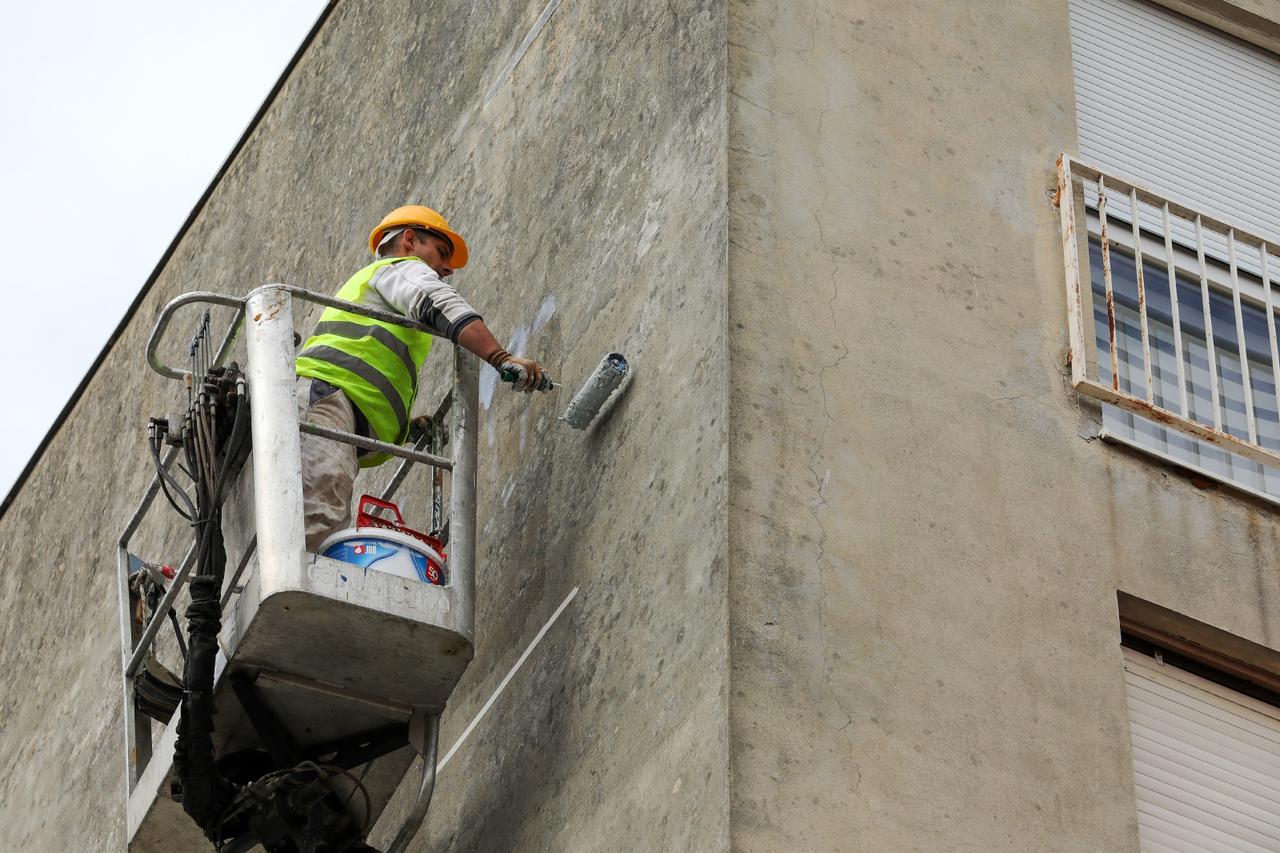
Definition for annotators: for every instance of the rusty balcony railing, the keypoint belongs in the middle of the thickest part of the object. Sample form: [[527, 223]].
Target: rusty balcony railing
[[1171, 320]]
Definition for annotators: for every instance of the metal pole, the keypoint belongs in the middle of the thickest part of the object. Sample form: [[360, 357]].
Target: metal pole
[[405, 466], [437, 481], [143, 505], [342, 304], [240, 567], [137, 726], [462, 491], [1071, 257], [1246, 385], [430, 442], [397, 450], [1177, 317], [1142, 294], [277, 443], [418, 814], [1106, 282], [1208, 326], [1271, 322]]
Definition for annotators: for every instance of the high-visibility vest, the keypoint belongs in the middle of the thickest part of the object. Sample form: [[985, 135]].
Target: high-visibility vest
[[376, 364]]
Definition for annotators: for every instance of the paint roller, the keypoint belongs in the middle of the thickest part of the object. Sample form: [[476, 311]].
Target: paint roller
[[604, 380], [586, 404], [595, 392]]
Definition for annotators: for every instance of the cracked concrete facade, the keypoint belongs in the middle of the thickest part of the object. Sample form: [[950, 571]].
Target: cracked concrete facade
[[848, 553], [924, 555]]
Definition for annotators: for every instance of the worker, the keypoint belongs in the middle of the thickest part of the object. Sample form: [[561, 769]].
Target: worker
[[360, 375]]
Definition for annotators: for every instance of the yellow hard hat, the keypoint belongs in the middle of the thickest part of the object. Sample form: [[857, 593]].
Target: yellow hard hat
[[417, 216]]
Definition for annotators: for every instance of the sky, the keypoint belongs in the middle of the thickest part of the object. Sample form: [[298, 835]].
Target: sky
[[116, 116]]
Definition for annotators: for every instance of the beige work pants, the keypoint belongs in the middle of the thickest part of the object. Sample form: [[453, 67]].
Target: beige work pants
[[329, 468]]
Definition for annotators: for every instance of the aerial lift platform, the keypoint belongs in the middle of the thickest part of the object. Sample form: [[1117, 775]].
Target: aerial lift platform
[[333, 672]]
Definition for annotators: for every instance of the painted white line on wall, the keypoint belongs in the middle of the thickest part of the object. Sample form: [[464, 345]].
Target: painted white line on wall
[[507, 678], [520, 51]]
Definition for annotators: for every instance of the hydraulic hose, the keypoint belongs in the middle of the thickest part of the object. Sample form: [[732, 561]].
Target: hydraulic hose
[[205, 794], [167, 479]]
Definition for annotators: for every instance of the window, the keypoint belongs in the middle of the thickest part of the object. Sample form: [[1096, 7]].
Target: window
[[1194, 374], [1206, 759], [1176, 122], [1188, 111], [1170, 370]]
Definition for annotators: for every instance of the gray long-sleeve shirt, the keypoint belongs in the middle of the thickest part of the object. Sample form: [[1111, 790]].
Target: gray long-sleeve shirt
[[415, 290]]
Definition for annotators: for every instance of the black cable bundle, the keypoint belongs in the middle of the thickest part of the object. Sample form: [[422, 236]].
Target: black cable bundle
[[205, 794], [214, 433]]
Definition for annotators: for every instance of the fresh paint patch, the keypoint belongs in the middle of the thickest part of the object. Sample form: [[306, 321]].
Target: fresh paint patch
[[519, 341], [488, 383], [545, 312]]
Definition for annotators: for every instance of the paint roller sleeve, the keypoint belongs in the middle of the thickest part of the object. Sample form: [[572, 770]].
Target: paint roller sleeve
[[606, 379]]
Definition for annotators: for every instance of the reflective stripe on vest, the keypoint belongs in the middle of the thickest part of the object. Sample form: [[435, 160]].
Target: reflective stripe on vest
[[376, 364]]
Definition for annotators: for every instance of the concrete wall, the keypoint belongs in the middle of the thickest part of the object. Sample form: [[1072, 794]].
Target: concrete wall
[[847, 555], [592, 191], [925, 542]]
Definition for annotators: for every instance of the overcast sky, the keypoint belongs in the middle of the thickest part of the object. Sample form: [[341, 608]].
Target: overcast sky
[[116, 115]]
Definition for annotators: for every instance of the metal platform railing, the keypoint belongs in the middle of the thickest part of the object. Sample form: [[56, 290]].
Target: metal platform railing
[[270, 372], [1206, 362]]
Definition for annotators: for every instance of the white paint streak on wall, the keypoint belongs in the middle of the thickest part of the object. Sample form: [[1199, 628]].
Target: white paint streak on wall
[[488, 383], [519, 341], [545, 312], [519, 345]]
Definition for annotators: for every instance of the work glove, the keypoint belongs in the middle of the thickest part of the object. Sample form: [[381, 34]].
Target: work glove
[[420, 428], [524, 374]]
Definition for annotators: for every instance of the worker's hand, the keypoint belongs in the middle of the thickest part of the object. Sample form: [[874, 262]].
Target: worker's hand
[[419, 428], [524, 374]]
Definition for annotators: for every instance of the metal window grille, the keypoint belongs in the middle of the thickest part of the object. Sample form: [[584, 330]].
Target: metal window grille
[[1184, 336]]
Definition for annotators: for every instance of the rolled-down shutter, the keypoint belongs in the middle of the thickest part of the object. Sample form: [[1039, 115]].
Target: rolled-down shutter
[[1190, 112], [1206, 762]]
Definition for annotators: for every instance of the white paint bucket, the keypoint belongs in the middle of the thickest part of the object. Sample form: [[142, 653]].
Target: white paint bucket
[[387, 551]]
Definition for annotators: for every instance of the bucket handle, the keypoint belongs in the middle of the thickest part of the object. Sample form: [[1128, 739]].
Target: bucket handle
[[379, 503]]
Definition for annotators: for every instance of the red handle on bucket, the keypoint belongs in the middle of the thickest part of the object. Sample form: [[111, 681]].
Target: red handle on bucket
[[379, 503]]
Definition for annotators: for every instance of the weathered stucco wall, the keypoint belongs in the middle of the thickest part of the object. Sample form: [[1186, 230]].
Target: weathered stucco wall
[[592, 191], [872, 579], [925, 544]]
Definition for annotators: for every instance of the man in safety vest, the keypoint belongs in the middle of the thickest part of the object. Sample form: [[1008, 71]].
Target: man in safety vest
[[360, 375]]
